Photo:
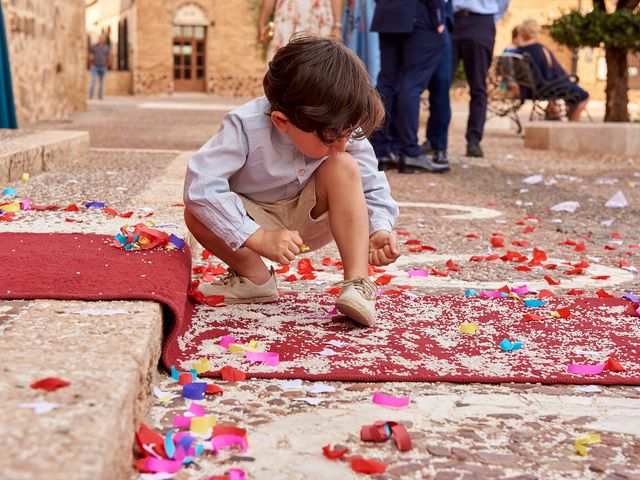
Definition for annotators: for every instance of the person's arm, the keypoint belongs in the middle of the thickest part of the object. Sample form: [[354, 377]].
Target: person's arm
[[336, 26], [266, 10], [206, 190], [503, 5]]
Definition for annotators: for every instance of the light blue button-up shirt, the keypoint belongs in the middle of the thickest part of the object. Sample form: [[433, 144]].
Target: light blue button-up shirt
[[251, 157], [497, 8]]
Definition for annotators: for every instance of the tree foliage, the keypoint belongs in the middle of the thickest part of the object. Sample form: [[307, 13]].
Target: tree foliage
[[619, 29]]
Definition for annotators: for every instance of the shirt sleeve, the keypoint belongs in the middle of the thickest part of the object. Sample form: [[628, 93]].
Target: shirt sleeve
[[383, 211], [503, 5], [206, 189]]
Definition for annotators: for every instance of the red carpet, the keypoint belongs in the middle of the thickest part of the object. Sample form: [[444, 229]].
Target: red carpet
[[418, 339], [69, 266]]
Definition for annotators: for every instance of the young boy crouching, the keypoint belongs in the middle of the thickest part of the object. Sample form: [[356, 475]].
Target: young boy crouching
[[293, 168]]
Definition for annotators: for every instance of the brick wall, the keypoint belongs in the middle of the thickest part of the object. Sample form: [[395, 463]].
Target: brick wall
[[48, 57], [234, 62]]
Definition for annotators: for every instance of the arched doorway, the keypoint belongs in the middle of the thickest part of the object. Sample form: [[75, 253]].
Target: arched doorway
[[189, 48]]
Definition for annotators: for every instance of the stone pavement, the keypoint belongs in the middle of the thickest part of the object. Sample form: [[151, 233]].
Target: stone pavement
[[467, 431]]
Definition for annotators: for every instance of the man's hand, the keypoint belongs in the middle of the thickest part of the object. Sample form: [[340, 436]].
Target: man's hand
[[383, 248], [281, 246]]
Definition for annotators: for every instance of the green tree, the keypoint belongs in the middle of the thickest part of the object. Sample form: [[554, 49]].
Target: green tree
[[618, 29]]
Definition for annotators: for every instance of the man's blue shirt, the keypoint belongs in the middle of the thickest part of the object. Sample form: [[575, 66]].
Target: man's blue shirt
[[497, 8]]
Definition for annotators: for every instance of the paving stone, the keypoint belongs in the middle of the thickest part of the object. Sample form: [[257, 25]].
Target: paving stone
[[498, 458], [439, 451]]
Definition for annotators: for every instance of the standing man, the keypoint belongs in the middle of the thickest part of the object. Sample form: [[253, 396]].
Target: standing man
[[411, 47], [472, 41], [100, 61], [437, 135]]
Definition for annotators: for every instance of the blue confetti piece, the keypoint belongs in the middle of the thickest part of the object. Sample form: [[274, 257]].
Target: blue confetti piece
[[194, 391], [175, 374], [470, 293], [177, 241], [509, 346], [387, 429], [9, 192], [94, 205], [631, 297], [532, 302], [169, 446], [194, 375]]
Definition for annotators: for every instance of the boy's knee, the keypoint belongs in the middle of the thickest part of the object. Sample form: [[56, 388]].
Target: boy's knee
[[343, 165]]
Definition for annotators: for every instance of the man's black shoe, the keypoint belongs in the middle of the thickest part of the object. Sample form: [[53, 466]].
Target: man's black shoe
[[421, 163], [426, 147], [474, 150], [388, 162], [440, 158]]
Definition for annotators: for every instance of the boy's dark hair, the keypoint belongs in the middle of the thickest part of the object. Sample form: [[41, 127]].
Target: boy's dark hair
[[323, 87]]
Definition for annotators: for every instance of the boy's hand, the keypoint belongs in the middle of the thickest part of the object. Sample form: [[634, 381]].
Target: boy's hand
[[383, 248], [280, 246]]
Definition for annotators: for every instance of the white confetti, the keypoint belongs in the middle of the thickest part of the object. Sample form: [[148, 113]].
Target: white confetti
[[39, 407], [290, 384], [310, 400], [336, 343], [617, 201], [589, 389], [570, 206], [328, 352], [533, 179], [320, 388]]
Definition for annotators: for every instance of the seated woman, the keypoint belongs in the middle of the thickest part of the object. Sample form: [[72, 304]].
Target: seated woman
[[575, 97]]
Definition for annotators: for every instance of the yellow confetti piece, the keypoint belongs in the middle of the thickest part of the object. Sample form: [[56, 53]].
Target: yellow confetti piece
[[468, 327], [587, 439], [304, 248], [252, 346], [202, 366], [203, 424], [166, 398], [236, 347], [555, 314], [25, 177], [10, 207]]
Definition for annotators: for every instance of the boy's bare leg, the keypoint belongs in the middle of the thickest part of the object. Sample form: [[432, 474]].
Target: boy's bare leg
[[339, 190], [243, 261]]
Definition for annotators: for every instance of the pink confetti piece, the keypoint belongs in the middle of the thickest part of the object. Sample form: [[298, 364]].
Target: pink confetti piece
[[224, 441], [180, 421], [523, 290], [157, 465], [197, 410], [390, 401], [492, 294], [226, 340], [581, 369], [236, 474], [331, 313], [418, 273], [25, 204], [268, 358]]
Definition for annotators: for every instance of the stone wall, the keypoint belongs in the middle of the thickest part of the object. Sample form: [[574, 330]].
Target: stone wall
[[48, 57], [234, 62]]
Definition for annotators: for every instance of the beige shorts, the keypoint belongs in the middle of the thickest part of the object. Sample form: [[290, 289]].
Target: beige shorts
[[293, 214]]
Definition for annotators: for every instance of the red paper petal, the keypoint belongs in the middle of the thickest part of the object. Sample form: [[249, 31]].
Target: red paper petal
[[564, 312], [384, 279], [551, 281], [545, 294], [213, 389], [602, 293], [368, 466], [230, 374], [528, 317], [613, 365], [575, 291], [332, 454], [50, 384], [497, 242]]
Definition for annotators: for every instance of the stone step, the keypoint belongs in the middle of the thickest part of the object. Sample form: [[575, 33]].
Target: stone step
[[36, 151], [111, 362], [584, 137]]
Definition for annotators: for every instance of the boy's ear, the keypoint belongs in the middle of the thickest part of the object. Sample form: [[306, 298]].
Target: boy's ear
[[280, 121]]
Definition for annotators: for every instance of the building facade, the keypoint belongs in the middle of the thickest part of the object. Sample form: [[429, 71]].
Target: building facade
[[166, 46], [48, 61]]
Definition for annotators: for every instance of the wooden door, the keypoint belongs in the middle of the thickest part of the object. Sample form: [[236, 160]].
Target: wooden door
[[189, 59]]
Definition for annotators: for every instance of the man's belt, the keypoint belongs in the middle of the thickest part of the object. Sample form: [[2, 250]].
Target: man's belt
[[468, 13]]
